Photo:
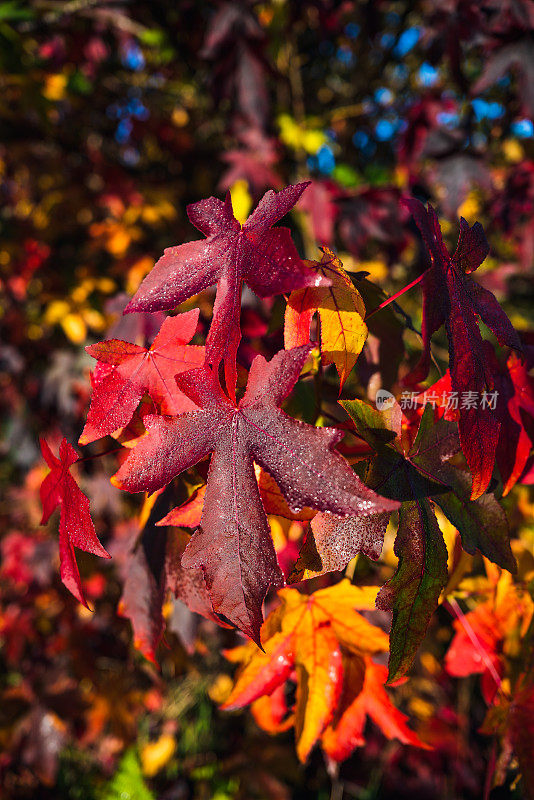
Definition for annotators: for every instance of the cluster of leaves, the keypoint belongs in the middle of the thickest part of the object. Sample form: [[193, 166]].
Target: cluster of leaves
[[118, 119], [230, 560]]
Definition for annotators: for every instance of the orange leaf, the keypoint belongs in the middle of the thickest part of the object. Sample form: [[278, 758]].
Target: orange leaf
[[371, 701], [308, 638]]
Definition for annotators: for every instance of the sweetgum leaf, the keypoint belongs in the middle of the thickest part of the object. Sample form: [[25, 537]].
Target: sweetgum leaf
[[364, 695], [392, 472], [424, 472], [143, 592], [76, 527], [187, 585], [152, 567], [233, 544], [453, 299], [126, 371], [266, 259], [412, 594], [325, 644], [515, 411], [420, 473], [482, 523], [334, 541], [341, 312]]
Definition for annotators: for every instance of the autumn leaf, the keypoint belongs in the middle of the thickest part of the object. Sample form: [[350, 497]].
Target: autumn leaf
[[126, 371], [341, 312], [188, 585], [412, 594], [143, 590], [333, 541], [484, 635], [265, 258], [189, 514], [453, 299], [513, 407], [424, 471], [364, 696], [76, 527], [233, 544], [152, 569], [311, 639], [412, 473]]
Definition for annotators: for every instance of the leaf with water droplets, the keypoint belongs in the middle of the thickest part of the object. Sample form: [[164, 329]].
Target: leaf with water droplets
[[265, 258], [125, 371], [233, 544]]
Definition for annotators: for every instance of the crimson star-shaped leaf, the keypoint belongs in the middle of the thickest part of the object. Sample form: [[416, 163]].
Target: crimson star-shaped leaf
[[266, 259], [453, 299], [126, 371], [76, 527], [233, 544]]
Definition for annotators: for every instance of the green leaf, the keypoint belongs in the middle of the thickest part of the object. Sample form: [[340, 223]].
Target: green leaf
[[391, 475], [482, 523], [12, 11], [377, 428], [412, 593], [128, 783]]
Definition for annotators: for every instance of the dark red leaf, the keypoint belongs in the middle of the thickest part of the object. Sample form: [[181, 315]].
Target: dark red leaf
[[452, 299], [233, 544], [266, 259]]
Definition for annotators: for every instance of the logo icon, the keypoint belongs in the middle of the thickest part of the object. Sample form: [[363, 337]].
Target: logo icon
[[384, 400]]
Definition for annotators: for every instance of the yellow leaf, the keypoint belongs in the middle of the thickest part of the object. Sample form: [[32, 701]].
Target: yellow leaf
[[93, 319], [319, 671], [345, 595], [55, 86], [155, 755], [513, 151], [55, 311], [241, 200], [313, 140], [341, 312], [137, 272], [305, 635], [74, 327], [220, 689], [470, 208]]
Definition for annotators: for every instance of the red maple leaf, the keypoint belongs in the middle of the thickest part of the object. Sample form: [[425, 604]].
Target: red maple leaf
[[453, 299], [76, 527], [233, 544], [266, 259], [126, 371]]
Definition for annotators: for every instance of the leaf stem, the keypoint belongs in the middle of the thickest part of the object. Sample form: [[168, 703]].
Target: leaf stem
[[394, 297], [100, 455]]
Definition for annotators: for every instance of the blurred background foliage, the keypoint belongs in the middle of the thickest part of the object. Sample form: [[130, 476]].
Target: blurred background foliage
[[113, 116]]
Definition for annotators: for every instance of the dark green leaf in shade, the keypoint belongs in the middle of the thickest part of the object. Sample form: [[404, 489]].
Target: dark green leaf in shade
[[412, 593]]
